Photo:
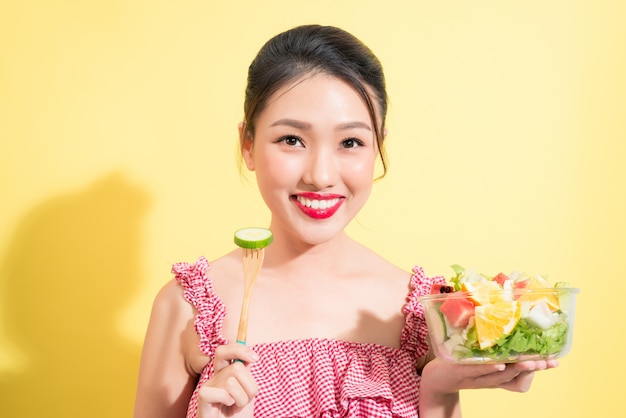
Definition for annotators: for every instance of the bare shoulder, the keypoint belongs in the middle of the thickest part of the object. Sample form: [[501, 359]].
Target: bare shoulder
[[170, 300]]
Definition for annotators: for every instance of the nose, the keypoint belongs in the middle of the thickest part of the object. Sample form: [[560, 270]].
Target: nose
[[321, 169]]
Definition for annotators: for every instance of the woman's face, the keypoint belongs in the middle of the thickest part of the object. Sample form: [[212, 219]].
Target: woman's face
[[314, 154]]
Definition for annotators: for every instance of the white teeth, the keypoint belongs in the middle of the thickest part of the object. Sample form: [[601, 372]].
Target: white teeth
[[317, 204]]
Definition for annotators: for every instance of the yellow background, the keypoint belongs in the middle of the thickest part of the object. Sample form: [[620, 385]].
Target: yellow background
[[118, 131]]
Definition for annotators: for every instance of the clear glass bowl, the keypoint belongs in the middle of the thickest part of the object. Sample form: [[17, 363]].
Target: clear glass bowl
[[501, 326]]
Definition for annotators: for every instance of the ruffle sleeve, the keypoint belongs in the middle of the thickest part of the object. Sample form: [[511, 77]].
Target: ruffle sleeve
[[415, 329], [199, 291]]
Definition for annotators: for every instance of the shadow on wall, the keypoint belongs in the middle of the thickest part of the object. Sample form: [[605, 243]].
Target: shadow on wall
[[72, 266]]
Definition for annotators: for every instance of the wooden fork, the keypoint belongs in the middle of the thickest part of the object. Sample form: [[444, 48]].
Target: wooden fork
[[252, 261]]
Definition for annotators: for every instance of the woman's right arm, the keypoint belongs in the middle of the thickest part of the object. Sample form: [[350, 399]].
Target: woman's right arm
[[166, 379]]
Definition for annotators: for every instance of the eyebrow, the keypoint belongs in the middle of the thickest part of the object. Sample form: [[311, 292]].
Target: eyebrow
[[306, 126]]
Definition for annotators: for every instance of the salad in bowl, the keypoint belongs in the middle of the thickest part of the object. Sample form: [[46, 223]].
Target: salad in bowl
[[503, 318]]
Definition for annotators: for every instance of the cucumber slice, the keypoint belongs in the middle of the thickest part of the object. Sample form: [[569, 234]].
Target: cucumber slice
[[255, 238]]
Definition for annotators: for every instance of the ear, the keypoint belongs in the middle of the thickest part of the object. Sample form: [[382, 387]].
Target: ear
[[245, 143]]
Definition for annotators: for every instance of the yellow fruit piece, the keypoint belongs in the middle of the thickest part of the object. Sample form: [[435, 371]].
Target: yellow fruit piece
[[538, 282], [494, 321], [540, 289], [483, 292]]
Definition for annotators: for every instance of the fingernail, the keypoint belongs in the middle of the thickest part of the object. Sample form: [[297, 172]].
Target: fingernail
[[253, 356]]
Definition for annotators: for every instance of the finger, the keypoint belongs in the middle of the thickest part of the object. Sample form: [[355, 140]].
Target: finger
[[553, 363], [233, 385], [211, 411], [225, 354], [503, 374], [240, 390], [525, 366], [478, 370], [240, 383], [236, 383], [521, 382], [209, 396]]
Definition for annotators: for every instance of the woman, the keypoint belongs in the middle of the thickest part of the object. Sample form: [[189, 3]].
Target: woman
[[335, 330]]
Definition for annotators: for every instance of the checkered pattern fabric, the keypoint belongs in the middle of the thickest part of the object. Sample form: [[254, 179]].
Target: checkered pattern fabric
[[319, 377]]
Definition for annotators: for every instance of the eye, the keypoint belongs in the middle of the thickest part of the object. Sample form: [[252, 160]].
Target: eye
[[292, 141], [349, 143]]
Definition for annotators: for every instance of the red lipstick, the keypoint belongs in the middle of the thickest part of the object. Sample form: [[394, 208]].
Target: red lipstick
[[318, 206]]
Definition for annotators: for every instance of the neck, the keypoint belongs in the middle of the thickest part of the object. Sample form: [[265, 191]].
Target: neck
[[299, 259]]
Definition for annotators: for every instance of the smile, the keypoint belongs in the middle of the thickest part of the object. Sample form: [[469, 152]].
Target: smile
[[318, 206]]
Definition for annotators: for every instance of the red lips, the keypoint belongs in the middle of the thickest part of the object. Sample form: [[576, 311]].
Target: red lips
[[316, 205]]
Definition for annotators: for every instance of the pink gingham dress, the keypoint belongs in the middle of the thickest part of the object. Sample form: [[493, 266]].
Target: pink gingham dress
[[319, 377]]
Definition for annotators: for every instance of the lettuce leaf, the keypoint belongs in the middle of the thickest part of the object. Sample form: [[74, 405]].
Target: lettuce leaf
[[525, 339], [456, 280]]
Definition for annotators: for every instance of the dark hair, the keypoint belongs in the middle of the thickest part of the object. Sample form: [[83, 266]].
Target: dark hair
[[310, 48]]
